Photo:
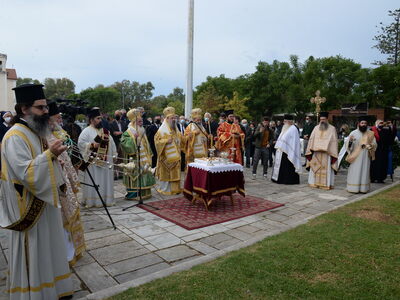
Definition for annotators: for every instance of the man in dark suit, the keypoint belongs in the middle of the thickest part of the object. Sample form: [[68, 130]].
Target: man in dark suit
[[181, 127], [117, 128], [151, 132]]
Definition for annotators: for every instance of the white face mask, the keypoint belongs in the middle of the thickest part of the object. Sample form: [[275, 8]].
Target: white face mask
[[206, 119], [7, 119]]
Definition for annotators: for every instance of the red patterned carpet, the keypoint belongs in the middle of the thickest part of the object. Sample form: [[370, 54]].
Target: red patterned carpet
[[192, 216]]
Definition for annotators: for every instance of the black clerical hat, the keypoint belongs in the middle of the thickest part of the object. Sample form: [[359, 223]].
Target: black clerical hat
[[29, 93], [288, 117], [53, 108], [324, 114], [229, 112], [363, 118], [94, 112]]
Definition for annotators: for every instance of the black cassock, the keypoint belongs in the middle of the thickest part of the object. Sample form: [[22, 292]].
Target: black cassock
[[379, 166], [287, 173]]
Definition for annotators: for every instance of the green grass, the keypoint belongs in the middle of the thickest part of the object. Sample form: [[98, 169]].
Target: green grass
[[351, 253]]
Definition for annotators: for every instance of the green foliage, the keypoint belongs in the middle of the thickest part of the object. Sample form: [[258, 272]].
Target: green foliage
[[107, 98], [27, 80], [238, 104], [58, 88], [388, 39], [133, 94]]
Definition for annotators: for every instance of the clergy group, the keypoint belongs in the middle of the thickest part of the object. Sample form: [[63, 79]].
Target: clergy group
[[44, 166]]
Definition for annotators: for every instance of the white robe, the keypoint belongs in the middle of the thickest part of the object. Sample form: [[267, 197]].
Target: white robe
[[289, 143], [103, 175], [358, 176], [37, 258]]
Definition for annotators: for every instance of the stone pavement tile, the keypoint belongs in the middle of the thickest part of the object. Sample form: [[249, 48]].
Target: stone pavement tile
[[194, 237], [147, 230], [288, 212], [149, 247], [305, 202], [95, 277], [106, 241], [213, 229], [114, 253], [201, 247], [321, 206], [176, 253], [138, 239], [227, 243], [100, 234], [133, 264], [130, 223], [248, 229], [276, 217], [181, 232], [80, 295], [84, 260], [96, 225], [252, 218], [215, 239], [164, 240], [311, 211], [163, 223], [240, 234], [4, 238], [236, 224], [76, 283], [141, 272], [262, 225]]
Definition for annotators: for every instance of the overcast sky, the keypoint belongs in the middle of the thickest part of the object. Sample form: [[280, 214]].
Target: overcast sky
[[99, 41]]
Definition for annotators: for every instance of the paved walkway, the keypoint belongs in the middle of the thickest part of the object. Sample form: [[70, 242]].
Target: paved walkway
[[145, 244]]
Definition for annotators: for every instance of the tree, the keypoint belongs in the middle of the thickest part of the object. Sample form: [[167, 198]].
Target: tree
[[238, 104], [106, 98], [27, 80], [388, 39], [133, 94], [210, 101], [58, 88]]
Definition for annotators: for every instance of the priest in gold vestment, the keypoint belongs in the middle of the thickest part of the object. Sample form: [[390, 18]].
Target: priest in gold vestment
[[322, 155], [196, 145], [169, 142], [31, 182]]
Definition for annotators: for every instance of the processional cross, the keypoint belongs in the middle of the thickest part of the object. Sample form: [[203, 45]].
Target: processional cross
[[318, 100]]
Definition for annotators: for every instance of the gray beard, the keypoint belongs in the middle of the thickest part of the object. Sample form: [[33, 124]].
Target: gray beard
[[285, 127], [55, 127], [41, 129], [323, 126]]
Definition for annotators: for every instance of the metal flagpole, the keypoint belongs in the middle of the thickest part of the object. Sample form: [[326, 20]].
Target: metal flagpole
[[189, 75]]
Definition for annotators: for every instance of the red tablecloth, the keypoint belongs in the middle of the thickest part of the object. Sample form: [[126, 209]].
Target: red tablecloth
[[209, 185]]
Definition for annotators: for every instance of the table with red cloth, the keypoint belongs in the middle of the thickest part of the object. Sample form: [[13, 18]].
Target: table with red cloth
[[207, 183]]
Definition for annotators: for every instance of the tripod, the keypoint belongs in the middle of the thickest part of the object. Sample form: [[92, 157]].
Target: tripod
[[84, 167], [139, 178]]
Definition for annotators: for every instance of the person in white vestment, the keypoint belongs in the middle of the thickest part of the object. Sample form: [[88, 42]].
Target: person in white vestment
[[98, 148], [361, 146], [322, 154], [287, 164], [29, 202]]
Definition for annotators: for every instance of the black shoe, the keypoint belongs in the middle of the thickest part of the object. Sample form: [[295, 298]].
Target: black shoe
[[247, 166], [304, 165]]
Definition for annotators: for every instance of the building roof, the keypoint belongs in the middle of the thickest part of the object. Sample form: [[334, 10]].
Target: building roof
[[11, 74]]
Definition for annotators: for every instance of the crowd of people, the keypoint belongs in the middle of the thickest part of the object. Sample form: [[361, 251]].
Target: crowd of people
[[42, 151]]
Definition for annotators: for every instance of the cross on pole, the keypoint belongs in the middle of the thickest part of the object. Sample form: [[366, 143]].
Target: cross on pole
[[318, 100]]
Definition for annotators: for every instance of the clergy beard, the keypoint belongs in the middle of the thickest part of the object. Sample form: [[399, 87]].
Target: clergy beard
[[140, 130], [285, 127], [39, 124], [362, 128], [323, 126], [98, 126]]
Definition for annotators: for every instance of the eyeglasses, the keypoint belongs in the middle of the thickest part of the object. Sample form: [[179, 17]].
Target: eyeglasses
[[41, 107]]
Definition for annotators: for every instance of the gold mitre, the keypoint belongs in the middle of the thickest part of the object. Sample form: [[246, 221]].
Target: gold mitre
[[197, 113], [133, 114], [169, 111]]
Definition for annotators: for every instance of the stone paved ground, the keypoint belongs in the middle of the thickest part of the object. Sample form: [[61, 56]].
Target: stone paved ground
[[144, 243]]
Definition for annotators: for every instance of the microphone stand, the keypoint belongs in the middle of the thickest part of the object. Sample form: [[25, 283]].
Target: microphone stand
[[85, 168], [138, 142]]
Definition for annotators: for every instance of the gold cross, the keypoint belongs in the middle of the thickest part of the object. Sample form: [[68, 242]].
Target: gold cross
[[318, 100]]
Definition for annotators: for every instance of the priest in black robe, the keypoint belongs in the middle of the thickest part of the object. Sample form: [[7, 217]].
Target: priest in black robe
[[287, 164], [379, 166]]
